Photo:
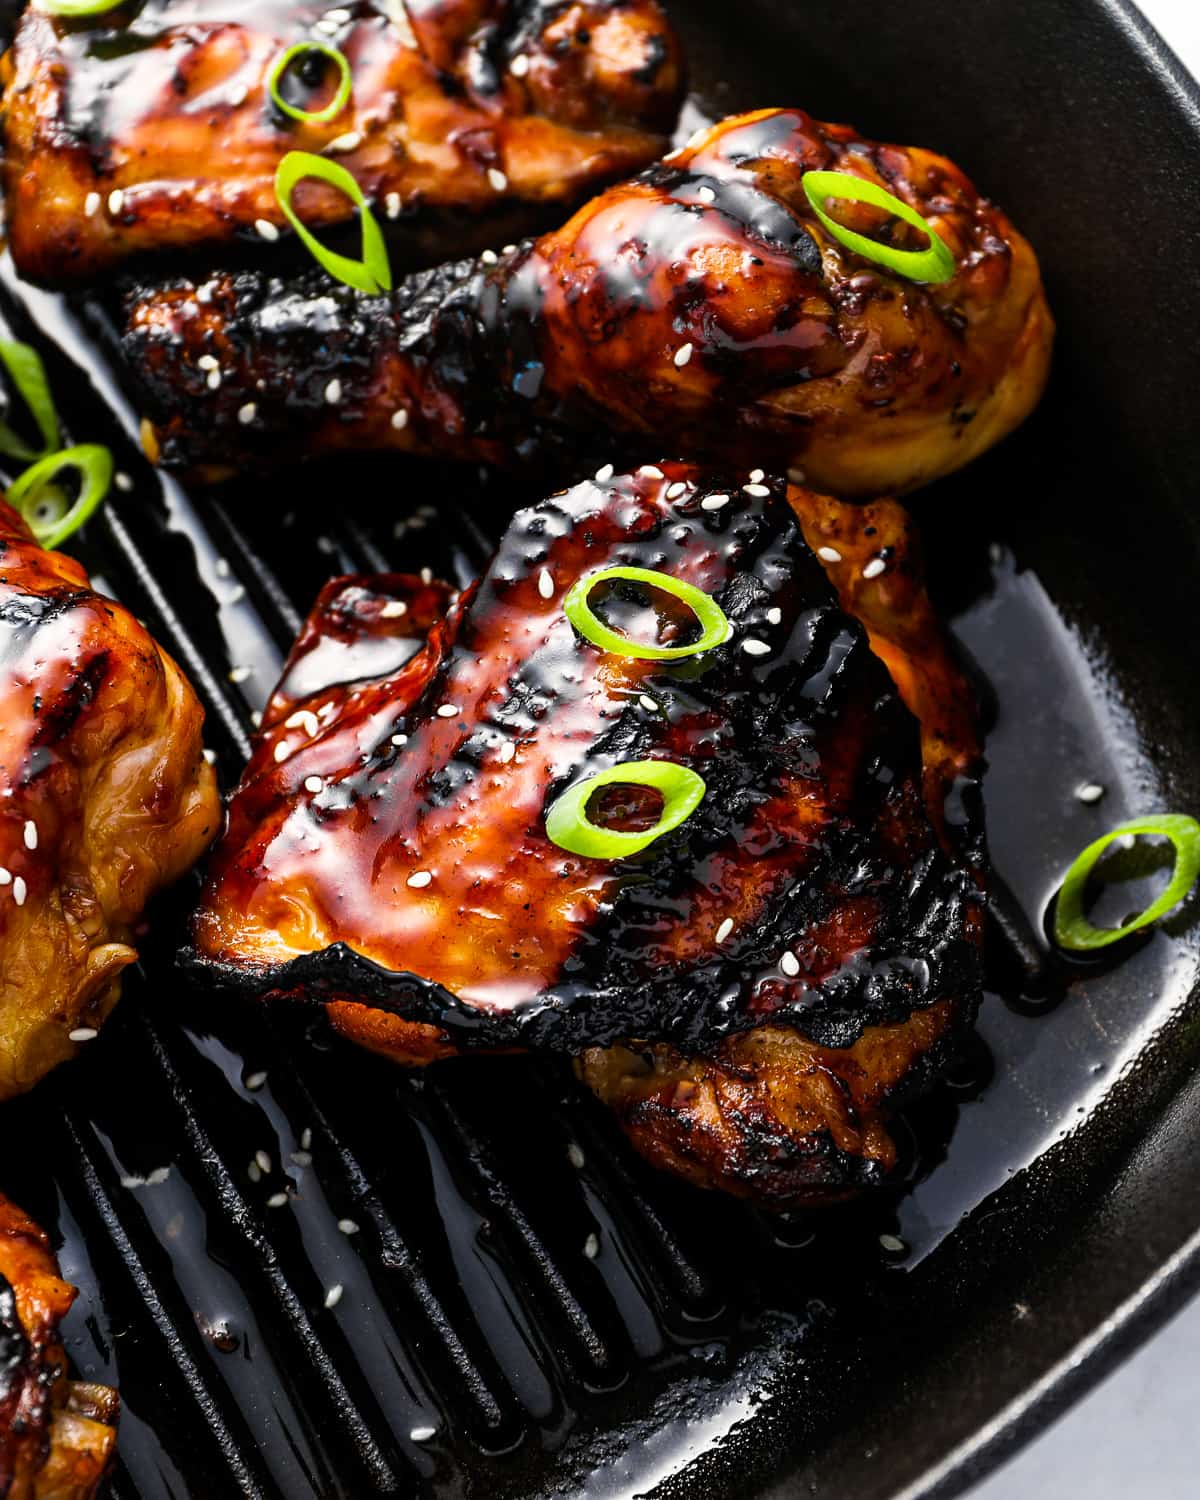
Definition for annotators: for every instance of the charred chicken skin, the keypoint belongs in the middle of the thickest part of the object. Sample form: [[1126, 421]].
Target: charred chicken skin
[[104, 797], [752, 993], [152, 128], [57, 1436], [703, 299]]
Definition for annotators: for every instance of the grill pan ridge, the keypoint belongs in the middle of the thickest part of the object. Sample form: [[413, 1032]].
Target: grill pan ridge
[[472, 1287]]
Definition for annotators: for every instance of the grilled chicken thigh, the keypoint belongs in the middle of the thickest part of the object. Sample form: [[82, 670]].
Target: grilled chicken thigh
[[703, 299], [754, 991], [56, 1435], [104, 797], [151, 127]]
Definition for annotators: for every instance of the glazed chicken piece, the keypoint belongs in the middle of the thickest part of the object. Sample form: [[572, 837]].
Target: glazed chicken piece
[[57, 1436], [151, 128], [754, 991], [703, 299], [105, 796]]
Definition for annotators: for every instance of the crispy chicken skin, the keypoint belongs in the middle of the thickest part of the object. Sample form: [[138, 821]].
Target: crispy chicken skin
[[105, 796], [166, 106], [703, 299], [57, 1436], [386, 850]]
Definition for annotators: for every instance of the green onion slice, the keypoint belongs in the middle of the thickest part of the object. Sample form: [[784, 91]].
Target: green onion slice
[[74, 9], [1073, 931], [568, 824], [713, 621], [372, 273], [933, 264], [302, 50], [28, 374], [51, 516]]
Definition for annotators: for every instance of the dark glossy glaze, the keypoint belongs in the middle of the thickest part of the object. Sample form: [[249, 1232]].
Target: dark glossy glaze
[[814, 834], [56, 1436], [105, 796], [794, 351], [167, 104]]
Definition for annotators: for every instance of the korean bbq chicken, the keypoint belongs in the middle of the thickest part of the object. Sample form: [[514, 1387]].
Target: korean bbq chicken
[[105, 796], [703, 298], [756, 985], [57, 1436], [153, 127]]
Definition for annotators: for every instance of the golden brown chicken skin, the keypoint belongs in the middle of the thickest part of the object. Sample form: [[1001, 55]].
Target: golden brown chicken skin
[[754, 993], [105, 796], [57, 1436], [151, 128], [703, 299]]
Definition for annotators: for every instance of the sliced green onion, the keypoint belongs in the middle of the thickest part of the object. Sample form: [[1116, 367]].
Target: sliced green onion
[[75, 9], [284, 61], [712, 619], [372, 273], [1073, 931], [28, 374], [933, 264], [568, 824], [51, 517]]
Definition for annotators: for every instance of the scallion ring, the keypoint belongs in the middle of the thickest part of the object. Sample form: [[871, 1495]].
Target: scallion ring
[[933, 264], [372, 273], [28, 374], [568, 824], [284, 61], [49, 515], [72, 10], [714, 624], [1074, 932]]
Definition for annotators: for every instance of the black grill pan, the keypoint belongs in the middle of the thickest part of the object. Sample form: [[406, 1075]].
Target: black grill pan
[[471, 1287]]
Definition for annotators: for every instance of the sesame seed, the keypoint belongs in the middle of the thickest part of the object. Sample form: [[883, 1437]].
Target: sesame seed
[[254, 1172], [507, 751], [82, 1034], [488, 257], [20, 890], [5, 876], [236, 97], [334, 1295], [282, 750], [209, 362], [213, 380], [1089, 791], [675, 490], [277, 1200], [400, 419], [774, 615], [545, 584], [652, 471], [497, 179], [575, 1155], [326, 27], [306, 1137], [790, 964], [247, 413], [339, 15], [706, 195], [507, 249], [256, 718], [448, 710], [591, 1247], [753, 647], [30, 834], [313, 784], [210, 756], [714, 502], [725, 929], [301, 1158], [265, 228], [682, 355], [254, 1081], [426, 575], [757, 476], [116, 201], [829, 554], [263, 1161], [759, 491], [305, 719], [519, 65], [893, 1244], [392, 205], [351, 141], [874, 568], [399, 739], [420, 879], [648, 703], [347, 1226], [333, 391], [91, 203], [422, 1434], [604, 473], [122, 481]]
